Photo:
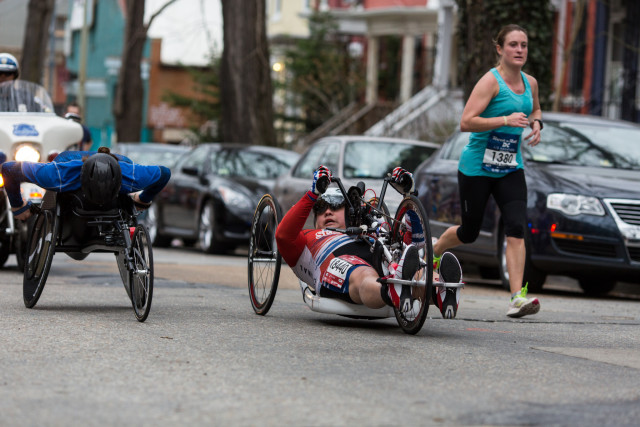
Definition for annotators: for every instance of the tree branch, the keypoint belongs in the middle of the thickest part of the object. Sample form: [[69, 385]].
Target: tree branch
[[158, 12]]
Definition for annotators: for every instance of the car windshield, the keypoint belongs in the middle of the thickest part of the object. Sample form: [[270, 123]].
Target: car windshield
[[374, 159], [588, 145], [252, 164], [21, 96], [144, 155]]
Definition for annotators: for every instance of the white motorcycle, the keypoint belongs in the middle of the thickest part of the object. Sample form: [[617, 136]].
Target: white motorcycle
[[29, 131]]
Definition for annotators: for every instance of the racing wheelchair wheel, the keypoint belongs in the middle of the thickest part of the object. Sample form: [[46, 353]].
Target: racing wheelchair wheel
[[39, 254], [264, 258], [412, 224], [141, 278]]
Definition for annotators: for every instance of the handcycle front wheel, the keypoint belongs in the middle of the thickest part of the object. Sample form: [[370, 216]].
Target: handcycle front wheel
[[412, 225], [264, 259], [141, 278], [38, 255]]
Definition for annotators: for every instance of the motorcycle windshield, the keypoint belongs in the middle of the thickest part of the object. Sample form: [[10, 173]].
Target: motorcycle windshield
[[21, 96]]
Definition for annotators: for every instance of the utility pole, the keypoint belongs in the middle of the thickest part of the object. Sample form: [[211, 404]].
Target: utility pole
[[52, 51], [82, 67]]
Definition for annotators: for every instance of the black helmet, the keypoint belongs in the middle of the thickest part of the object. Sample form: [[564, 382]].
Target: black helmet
[[101, 178]]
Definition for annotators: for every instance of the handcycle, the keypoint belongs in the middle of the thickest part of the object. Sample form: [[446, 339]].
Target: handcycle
[[65, 223], [367, 220]]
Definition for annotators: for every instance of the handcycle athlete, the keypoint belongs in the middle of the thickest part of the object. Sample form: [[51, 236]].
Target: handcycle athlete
[[339, 266], [88, 208]]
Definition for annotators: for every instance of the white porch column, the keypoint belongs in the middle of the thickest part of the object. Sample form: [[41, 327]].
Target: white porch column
[[372, 69], [443, 46], [408, 62]]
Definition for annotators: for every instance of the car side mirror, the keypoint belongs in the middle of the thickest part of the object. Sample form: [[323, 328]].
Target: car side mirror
[[189, 170]]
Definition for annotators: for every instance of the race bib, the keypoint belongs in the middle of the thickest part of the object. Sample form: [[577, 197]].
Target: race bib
[[501, 151], [337, 272]]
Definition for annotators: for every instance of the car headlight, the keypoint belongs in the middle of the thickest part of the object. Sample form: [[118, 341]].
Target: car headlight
[[236, 199], [27, 153], [573, 204]]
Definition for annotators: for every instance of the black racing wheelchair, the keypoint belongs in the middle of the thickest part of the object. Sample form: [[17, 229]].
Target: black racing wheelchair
[[368, 220], [65, 222]]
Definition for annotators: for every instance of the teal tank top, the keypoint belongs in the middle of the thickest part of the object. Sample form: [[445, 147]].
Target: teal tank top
[[496, 152]]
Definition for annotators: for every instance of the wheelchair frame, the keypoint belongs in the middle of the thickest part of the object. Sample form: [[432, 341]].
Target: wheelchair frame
[[387, 236], [57, 227]]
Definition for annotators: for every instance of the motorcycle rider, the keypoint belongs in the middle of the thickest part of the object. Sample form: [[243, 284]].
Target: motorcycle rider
[[9, 68], [18, 97]]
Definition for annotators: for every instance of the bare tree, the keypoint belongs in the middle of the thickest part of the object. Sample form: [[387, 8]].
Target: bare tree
[[127, 106], [245, 78], [630, 60], [36, 37]]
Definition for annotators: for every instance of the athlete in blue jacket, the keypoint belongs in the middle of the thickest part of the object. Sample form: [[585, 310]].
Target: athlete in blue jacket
[[100, 175]]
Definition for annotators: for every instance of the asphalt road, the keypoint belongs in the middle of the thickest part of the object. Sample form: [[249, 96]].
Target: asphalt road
[[204, 358]]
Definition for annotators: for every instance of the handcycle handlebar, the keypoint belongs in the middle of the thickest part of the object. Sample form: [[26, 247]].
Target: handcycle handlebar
[[353, 231]]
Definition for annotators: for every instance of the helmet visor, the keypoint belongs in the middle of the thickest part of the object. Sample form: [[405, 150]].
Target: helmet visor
[[333, 201]]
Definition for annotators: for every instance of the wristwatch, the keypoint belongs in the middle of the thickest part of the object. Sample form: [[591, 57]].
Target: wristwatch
[[540, 121]]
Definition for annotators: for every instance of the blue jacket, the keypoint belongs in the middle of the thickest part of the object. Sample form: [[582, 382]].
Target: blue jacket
[[64, 174]]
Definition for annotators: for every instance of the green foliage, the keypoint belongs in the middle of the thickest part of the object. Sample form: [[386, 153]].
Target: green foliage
[[322, 76], [206, 107], [479, 22]]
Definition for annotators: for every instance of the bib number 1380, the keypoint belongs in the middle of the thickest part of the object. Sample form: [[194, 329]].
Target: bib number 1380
[[502, 158], [501, 151]]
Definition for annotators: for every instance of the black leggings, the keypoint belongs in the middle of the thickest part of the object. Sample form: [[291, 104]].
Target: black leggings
[[510, 194]]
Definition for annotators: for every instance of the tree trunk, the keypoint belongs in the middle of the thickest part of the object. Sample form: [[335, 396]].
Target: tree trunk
[[245, 77], [36, 37], [630, 61], [127, 106]]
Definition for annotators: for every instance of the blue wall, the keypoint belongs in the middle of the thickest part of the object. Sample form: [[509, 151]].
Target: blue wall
[[104, 49]]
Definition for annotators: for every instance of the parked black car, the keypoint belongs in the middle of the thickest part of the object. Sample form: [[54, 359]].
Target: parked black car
[[213, 192], [583, 186]]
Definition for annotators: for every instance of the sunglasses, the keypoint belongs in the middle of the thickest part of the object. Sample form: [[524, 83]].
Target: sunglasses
[[321, 206], [7, 73]]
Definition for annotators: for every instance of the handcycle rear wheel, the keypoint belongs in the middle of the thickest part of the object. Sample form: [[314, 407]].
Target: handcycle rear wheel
[[39, 254], [141, 278], [411, 322], [264, 258]]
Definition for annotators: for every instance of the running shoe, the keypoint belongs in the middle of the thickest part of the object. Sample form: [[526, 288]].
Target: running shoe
[[448, 299], [520, 305], [400, 295]]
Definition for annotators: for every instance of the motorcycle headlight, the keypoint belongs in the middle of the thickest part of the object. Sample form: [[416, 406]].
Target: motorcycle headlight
[[573, 204], [235, 199], [27, 153]]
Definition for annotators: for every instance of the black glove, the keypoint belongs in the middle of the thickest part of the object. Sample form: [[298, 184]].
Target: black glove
[[402, 181], [321, 180]]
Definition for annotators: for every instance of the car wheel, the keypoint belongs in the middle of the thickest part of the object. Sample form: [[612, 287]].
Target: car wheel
[[594, 286], [150, 220], [206, 228], [532, 275], [5, 250]]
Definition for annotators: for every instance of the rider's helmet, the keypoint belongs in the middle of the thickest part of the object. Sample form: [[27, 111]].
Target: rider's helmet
[[101, 178], [9, 65], [332, 198]]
